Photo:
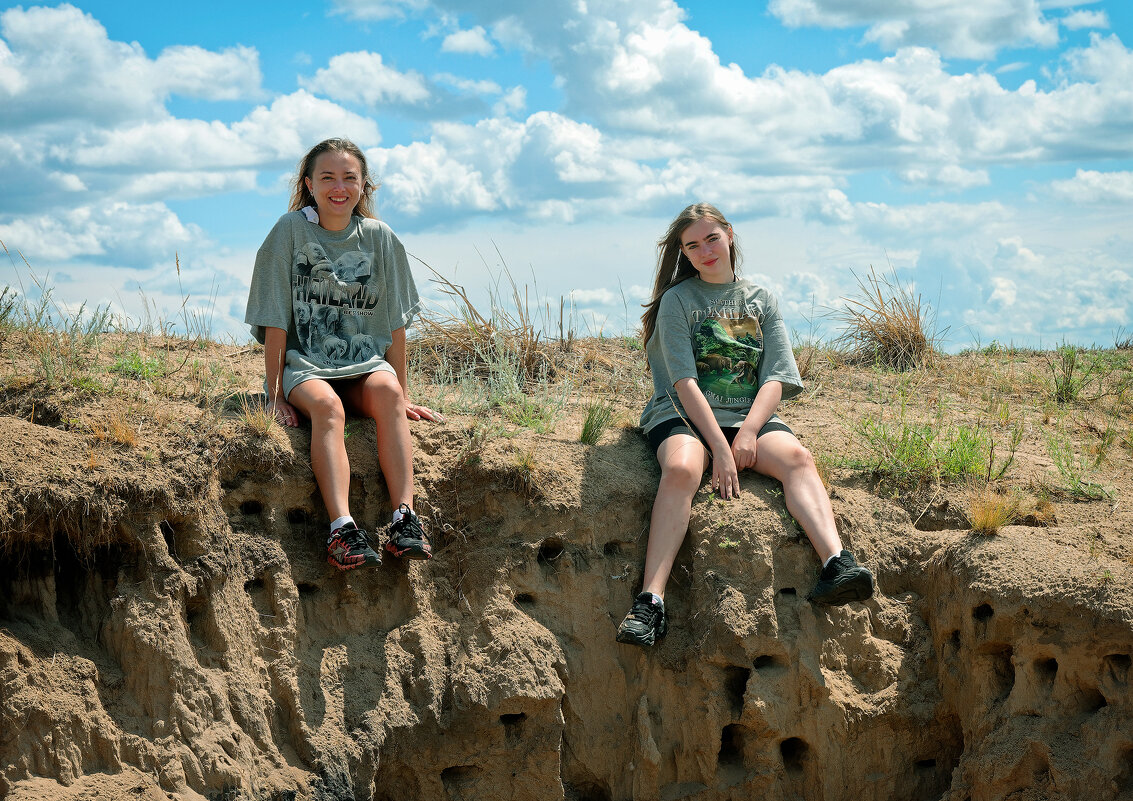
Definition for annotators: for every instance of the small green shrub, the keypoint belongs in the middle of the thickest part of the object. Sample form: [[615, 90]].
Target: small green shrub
[[1073, 471], [599, 413], [135, 365]]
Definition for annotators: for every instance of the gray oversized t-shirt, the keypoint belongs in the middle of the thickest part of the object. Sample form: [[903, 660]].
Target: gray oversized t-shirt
[[339, 295], [729, 337]]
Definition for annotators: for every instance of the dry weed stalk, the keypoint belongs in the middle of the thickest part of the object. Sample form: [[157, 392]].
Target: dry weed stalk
[[888, 324]]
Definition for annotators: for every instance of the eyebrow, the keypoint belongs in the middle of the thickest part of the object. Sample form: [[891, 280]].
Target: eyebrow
[[694, 241]]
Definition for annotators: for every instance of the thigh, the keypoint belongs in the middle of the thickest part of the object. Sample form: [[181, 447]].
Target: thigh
[[315, 398], [778, 453], [683, 452], [366, 394]]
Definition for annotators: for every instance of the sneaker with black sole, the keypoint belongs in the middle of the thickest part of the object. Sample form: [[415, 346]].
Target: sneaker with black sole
[[645, 623], [349, 547], [407, 538], [841, 581]]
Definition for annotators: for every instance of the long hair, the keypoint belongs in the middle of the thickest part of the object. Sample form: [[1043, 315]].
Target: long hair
[[673, 266], [301, 196]]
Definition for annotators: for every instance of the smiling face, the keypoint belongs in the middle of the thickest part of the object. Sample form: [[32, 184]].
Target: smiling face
[[707, 245], [335, 182]]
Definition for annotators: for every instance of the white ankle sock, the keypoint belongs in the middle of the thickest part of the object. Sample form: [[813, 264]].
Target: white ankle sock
[[340, 522], [824, 564], [657, 599], [398, 514]]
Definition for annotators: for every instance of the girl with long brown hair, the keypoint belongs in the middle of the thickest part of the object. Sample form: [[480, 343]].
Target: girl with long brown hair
[[331, 297], [721, 363]]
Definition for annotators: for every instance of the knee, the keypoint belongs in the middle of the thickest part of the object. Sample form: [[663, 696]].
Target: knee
[[681, 476], [327, 411], [798, 458], [383, 394]]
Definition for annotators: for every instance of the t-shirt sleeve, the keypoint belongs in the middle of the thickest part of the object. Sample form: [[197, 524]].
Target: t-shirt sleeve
[[674, 339], [269, 297], [402, 301], [778, 362]]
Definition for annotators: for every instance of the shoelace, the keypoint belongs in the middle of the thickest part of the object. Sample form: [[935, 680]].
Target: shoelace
[[645, 611], [409, 526], [354, 536]]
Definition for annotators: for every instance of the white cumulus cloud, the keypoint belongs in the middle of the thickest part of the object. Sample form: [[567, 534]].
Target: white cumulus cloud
[[1077, 20], [953, 27], [473, 41], [363, 77], [1092, 186]]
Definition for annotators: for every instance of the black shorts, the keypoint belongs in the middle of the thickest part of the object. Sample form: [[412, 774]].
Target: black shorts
[[665, 429]]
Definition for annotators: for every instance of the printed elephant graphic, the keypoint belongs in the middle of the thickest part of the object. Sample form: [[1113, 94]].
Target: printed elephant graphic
[[343, 279], [311, 257], [362, 346], [712, 363]]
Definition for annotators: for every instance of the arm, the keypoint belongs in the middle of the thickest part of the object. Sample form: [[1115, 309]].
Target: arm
[[744, 446], [275, 350], [395, 355], [725, 475]]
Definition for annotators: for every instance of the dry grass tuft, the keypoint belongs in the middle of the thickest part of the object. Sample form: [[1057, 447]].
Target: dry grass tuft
[[258, 419], [477, 342], [115, 429], [990, 510], [888, 325]]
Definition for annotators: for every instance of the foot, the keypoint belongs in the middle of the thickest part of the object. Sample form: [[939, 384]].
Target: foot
[[407, 539], [645, 623], [841, 581], [348, 547]]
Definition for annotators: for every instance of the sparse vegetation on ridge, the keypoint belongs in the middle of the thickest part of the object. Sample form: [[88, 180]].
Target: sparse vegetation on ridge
[[976, 419]]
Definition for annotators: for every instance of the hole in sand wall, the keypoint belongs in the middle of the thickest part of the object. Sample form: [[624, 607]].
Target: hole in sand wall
[[1117, 667], [513, 726], [995, 661], [983, 613], [549, 551], [1046, 669], [586, 791], [766, 662], [1124, 778], [170, 537], [612, 549], [794, 752], [251, 507], [733, 740], [1091, 701], [525, 599], [924, 765], [458, 777], [788, 591], [735, 685], [298, 516]]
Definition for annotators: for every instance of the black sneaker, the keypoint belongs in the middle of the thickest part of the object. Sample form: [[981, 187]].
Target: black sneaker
[[348, 547], [645, 623], [841, 581], [407, 539]]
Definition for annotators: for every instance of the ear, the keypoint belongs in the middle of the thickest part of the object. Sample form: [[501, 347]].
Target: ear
[[307, 183]]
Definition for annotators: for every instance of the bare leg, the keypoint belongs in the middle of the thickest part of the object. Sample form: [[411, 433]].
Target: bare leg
[[683, 462], [379, 396], [780, 455], [316, 399]]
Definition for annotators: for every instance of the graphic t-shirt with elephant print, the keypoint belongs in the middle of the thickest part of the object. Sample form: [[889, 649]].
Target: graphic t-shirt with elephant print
[[340, 295], [730, 338]]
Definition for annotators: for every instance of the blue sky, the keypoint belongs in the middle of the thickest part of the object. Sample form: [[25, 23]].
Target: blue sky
[[982, 151]]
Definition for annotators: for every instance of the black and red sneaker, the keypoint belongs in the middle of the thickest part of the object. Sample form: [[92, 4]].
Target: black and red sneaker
[[407, 539], [348, 547]]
